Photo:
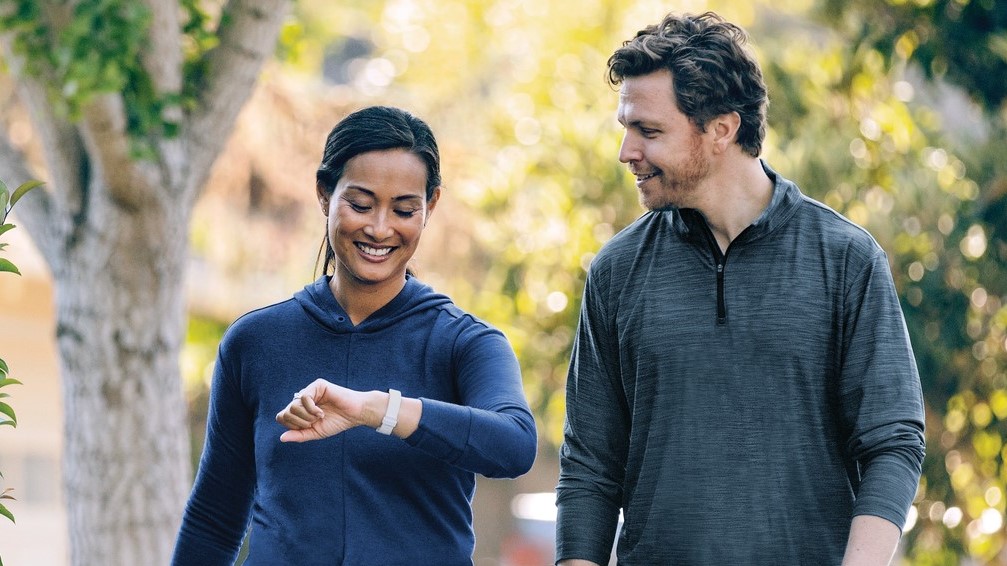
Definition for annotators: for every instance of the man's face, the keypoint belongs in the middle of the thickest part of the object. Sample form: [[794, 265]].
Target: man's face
[[665, 151]]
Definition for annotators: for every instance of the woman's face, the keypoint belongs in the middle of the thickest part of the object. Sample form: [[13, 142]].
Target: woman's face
[[376, 215]]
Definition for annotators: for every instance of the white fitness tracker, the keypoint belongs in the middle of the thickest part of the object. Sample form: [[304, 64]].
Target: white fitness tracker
[[392, 413]]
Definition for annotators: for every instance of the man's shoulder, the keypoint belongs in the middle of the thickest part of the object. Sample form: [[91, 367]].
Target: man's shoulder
[[830, 228], [624, 245]]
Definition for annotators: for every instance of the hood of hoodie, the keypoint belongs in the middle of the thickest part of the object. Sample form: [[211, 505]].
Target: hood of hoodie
[[318, 302]]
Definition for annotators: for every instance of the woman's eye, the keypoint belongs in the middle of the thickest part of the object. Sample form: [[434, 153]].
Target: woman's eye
[[358, 207], [405, 213]]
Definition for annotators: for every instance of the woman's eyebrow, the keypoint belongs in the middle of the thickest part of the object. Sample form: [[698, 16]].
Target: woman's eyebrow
[[374, 195]]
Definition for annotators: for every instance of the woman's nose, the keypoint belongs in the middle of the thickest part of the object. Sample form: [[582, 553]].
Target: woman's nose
[[379, 227]]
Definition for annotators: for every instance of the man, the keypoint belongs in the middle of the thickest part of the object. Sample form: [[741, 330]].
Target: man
[[742, 385]]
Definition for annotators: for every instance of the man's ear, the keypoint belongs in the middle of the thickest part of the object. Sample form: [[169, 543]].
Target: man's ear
[[725, 131]]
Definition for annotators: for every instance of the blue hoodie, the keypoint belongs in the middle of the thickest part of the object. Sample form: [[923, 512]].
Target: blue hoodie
[[358, 498]]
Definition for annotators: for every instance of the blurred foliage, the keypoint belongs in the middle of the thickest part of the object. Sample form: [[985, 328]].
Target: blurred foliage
[[8, 416], [962, 41], [890, 112], [201, 339], [920, 104], [94, 47]]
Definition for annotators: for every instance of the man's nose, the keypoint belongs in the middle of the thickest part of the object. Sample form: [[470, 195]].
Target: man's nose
[[629, 151]]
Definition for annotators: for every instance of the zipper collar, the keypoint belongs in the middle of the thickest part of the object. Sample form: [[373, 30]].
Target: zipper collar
[[692, 226]]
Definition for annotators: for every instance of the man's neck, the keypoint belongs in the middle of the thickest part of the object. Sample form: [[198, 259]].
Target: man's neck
[[735, 195]]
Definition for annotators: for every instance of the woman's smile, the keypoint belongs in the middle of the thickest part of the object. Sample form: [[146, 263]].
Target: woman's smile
[[376, 252]]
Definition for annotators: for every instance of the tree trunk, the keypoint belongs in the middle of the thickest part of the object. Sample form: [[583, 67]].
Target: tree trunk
[[114, 231], [120, 298]]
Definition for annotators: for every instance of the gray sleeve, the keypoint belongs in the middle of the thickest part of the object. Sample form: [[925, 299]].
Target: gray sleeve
[[596, 436], [882, 403]]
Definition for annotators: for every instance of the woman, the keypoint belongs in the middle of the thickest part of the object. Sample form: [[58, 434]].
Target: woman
[[406, 396]]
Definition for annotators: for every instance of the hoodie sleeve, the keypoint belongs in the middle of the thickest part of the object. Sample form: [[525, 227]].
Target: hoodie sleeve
[[490, 431], [217, 511]]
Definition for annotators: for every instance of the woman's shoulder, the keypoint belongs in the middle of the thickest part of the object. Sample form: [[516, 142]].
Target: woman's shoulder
[[256, 322], [451, 319]]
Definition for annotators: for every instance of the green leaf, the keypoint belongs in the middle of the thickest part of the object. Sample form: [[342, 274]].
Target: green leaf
[[3, 367], [8, 381], [6, 227], [4, 195], [6, 265], [6, 513], [9, 411], [22, 190]]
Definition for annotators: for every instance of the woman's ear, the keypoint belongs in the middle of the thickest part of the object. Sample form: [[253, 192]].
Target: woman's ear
[[323, 198], [431, 204]]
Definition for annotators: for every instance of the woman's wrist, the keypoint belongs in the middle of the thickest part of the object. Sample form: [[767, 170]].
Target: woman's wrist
[[375, 406]]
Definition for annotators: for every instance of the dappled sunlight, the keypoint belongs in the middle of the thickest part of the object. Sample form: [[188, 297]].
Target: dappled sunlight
[[515, 91]]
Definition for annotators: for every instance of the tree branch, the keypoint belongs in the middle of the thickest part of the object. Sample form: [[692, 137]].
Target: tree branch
[[162, 57], [36, 210], [60, 140], [248, 35], [63, 150], [163, 61], [130, 181]]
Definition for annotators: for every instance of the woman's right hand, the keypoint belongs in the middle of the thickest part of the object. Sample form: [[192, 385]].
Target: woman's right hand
[[323, 409]]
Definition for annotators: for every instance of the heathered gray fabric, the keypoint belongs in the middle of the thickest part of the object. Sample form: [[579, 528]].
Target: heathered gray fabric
[[754, 440]]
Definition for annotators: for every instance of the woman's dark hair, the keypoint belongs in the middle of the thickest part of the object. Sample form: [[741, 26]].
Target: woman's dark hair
[[375, 128], [713, 72]]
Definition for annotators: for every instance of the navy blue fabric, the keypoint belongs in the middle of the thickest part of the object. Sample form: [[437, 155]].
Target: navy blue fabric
[[358, 498]]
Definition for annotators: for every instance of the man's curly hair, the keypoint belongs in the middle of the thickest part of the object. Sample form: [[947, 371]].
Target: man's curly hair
[[713, 72]]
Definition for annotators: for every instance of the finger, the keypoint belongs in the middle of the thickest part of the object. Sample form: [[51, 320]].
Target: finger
[[309, 405], [295, 415], [293, 422], [297, 409], [300, 403], [303, 435], [307, 398]]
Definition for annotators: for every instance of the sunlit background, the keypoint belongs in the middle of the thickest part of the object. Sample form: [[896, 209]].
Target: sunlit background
[[892, 112]]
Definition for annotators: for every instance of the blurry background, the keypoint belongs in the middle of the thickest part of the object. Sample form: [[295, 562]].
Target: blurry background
[[892, 112]]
